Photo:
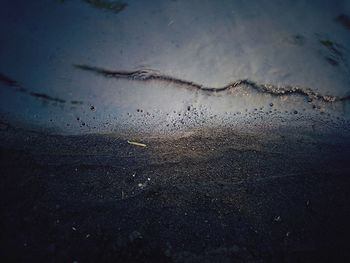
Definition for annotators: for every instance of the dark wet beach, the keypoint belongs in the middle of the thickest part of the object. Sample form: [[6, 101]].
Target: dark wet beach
[[212, 196]]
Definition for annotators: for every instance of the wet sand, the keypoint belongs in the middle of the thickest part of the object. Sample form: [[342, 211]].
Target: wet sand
[[205, 196]]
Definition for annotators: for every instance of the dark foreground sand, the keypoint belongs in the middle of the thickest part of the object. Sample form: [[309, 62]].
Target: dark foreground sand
[[210, 196]]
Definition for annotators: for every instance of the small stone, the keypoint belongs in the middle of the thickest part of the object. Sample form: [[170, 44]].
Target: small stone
[[235, 249], [135, 235], [277, 219]]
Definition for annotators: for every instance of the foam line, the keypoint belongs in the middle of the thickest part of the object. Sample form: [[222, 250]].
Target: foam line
[[149, 74]]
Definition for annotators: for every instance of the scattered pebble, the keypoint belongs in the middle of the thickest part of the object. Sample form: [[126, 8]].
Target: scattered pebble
[[277, 219], [135, 235], [235, 249]]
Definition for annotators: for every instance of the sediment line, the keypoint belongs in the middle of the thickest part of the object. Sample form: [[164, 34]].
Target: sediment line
[[148, 75], [9, 82]]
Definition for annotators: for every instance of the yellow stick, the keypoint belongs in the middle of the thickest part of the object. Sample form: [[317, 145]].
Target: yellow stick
[[137, 144]]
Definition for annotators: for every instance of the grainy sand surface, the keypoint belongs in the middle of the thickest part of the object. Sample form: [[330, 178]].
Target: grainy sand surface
[[205, 196]]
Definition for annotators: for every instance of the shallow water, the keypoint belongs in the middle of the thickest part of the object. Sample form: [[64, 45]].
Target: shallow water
[[293, 44]]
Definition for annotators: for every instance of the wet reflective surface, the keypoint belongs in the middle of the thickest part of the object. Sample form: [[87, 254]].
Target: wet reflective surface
[[273, 44]]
